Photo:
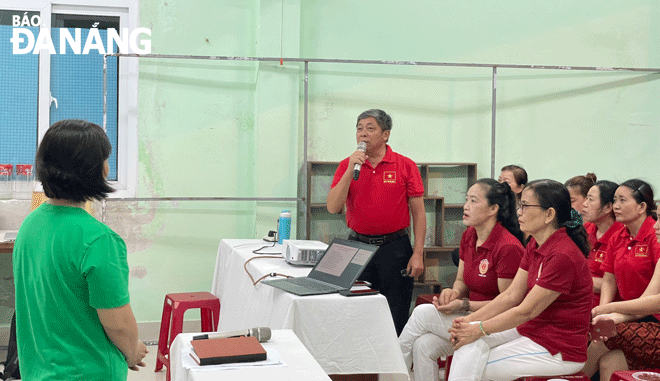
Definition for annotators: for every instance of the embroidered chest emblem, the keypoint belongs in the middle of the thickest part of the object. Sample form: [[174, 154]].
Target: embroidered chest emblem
[[600, 256], [483, 266], [389, 177], [641, 250]]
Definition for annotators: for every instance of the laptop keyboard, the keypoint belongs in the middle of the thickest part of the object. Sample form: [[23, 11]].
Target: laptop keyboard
[[310, 284]]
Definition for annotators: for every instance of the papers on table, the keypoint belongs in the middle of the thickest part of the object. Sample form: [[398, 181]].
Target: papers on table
[[273, 359]]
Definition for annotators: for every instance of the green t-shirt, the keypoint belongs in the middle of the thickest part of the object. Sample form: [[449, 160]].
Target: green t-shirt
[[66, 265]]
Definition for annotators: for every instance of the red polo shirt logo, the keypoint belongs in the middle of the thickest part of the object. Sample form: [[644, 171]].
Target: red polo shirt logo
[[389, 177], [600, 256], [641, 250], [483, 267]]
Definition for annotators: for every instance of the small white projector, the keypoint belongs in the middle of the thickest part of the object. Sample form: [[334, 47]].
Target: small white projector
[[303, 253]]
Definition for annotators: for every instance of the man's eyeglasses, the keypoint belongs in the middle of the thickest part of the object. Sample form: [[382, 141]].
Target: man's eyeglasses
[[522, 207]]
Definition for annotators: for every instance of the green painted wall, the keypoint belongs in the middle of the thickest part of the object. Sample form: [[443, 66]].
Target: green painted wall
[[215, 128]]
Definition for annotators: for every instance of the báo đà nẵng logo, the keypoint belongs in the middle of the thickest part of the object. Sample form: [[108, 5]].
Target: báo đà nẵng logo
[[24, 41]]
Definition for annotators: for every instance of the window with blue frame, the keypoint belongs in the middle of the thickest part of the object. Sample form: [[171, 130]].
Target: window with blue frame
[[76, 80], [19, 95], [76, 86]]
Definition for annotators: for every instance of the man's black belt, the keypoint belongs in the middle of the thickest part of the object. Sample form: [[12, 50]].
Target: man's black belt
[[378, 239]]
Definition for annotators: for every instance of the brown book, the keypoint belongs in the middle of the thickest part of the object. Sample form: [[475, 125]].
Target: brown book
[[227, 350]]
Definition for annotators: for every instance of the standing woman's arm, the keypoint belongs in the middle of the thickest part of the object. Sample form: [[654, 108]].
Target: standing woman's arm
[[120, 326]]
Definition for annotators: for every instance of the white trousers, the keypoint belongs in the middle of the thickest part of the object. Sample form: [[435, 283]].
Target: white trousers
[[424, 339], [505, 356]]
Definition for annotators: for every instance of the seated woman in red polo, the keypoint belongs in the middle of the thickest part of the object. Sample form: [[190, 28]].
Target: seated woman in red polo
[[539, 325], [490, 253], [633, 271], [602, 228]]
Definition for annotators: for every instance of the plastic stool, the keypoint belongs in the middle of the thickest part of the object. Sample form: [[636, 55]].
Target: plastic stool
[[172, 321], [629, 375], [425, 298]]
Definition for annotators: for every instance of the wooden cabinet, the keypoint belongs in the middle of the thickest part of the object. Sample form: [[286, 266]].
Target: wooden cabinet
[[445, 186]]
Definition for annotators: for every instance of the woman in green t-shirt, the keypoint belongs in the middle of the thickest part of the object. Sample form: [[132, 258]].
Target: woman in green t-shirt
[[73, 315]]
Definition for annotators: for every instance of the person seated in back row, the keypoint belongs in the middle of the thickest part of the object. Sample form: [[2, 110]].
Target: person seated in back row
[[578, 187], [515, 176], [602, 228]]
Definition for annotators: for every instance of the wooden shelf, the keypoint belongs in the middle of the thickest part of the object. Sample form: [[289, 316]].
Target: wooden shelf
[[6, 247], [445, 186], [428, 283], [444, 249]]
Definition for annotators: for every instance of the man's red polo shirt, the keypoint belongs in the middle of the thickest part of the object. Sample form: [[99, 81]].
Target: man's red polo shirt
[[377, 203]]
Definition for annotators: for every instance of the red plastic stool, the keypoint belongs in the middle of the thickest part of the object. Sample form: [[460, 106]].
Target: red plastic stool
[[579, 376], [635, 375], [425, 298], [172, 321], [446, 364]]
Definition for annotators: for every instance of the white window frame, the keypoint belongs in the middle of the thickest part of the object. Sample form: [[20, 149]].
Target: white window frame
[[127, 108]]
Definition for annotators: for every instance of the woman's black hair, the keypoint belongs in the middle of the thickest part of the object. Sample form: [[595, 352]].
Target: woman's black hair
[[553, 194], [70, 161], [606, 191], [642, 192], [501, 194]]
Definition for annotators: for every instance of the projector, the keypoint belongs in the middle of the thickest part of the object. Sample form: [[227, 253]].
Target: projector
[[303, 253]]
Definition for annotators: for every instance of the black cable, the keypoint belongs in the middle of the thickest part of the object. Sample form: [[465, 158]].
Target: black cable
[[263, 247]]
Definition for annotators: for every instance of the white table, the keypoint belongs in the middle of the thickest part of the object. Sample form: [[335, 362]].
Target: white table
[[298, 362], [346, 335]]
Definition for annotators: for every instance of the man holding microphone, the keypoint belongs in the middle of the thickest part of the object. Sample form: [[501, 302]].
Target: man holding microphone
[[381, 189]]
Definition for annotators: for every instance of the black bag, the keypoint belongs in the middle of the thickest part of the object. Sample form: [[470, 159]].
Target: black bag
[[11, 364]]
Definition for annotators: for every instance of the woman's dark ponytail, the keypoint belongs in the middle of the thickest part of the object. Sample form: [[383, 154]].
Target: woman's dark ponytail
[[501, 194]]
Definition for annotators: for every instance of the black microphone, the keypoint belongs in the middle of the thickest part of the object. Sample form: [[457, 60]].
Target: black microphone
[[362, 146], [261, 333]]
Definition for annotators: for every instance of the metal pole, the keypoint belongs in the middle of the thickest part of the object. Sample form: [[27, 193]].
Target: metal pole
[[105, 117], [493, 117], [305, 117], [384, 62], [292, 199]]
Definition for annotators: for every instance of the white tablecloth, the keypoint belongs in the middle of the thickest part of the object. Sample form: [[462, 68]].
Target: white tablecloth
[[298, 362], [346, 335]]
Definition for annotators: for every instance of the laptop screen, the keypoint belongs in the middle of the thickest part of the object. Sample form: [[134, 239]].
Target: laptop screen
[[343, 262]]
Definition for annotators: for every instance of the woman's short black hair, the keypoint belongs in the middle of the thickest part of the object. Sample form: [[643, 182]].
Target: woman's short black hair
[[69, 161]]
